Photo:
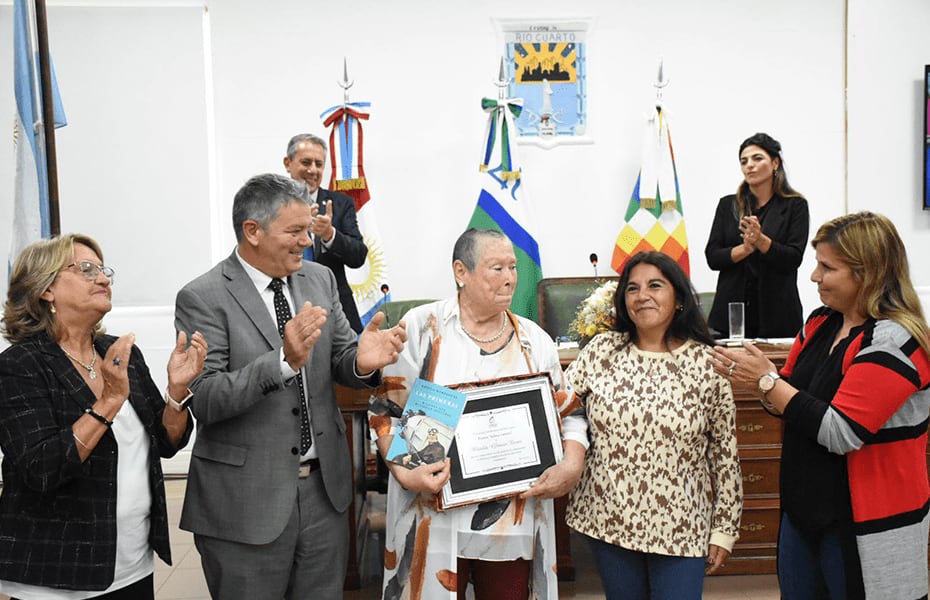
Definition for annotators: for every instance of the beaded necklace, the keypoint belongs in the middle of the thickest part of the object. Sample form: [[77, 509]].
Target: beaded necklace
[[493, 338]]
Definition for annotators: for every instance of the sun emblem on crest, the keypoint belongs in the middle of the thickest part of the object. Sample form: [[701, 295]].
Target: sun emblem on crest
[[372, 273]]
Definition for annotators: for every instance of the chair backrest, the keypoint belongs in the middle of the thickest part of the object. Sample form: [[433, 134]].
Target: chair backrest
[[395, 310], [706, 300], [559, 299]]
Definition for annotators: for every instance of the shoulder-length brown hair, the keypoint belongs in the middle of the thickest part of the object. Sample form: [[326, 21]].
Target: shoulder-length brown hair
[[25, 313]]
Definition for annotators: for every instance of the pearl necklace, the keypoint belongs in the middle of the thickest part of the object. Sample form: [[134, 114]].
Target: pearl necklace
[[493, 338], [90, 368]]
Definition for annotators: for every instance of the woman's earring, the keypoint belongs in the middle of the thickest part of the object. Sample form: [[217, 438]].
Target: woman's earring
[[53, 309]]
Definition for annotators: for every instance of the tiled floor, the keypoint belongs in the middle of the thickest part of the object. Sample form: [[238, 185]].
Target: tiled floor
[[185, 579]]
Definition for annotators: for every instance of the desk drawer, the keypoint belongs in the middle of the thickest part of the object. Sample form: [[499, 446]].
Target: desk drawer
[[758, 526], [755, 427], [760, 473]]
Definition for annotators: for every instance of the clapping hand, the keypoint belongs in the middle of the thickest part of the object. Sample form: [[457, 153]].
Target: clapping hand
[[377, 348], [321, 224], [751, 230], [185, 363], [114, 369], [301, 333]]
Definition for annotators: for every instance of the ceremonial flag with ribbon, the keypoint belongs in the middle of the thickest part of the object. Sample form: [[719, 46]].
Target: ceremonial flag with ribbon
[[346, 157], [30, 197], [501, 202], [654, 217]]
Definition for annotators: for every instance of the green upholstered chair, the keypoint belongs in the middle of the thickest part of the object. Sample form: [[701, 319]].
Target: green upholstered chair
[[706, 300], [559, 299], [395, 310]]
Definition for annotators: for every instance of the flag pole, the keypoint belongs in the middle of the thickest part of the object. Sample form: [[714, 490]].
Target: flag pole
[[48, 117]]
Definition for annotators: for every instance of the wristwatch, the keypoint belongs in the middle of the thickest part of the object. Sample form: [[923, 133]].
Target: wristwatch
[[176, 405], [767, 382]]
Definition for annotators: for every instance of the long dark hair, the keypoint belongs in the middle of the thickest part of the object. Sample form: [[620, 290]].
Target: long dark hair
[[688, 322]]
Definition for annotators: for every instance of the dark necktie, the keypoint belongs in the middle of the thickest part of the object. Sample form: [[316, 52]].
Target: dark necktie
[[283, 314]]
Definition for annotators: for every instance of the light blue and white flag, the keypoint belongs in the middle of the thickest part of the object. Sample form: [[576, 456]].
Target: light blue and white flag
[[30, 198], [346, 157]]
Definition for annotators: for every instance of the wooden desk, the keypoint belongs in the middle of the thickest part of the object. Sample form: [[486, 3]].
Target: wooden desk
[[758, 439], [354, 406]]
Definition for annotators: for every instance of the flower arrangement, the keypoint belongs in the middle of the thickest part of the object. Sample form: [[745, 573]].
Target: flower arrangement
[[596, 314]]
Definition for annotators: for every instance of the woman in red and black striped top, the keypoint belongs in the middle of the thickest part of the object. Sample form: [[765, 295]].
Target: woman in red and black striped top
[[855, 400]]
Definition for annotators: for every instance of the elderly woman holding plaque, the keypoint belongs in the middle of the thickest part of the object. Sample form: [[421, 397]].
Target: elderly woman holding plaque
[[504, 547]]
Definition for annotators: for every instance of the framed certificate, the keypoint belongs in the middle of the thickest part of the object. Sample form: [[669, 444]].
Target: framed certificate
[[507, 436]]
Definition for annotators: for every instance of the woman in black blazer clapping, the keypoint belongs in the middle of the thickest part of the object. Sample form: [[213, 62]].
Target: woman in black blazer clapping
[[757, 242], [82, 430]]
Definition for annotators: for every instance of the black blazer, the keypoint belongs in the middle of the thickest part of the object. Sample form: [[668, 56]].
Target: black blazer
[[348, 250], [776, 300], [57, 514]]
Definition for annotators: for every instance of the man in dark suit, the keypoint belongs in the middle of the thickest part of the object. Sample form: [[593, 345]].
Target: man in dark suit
[[337, 241], [267, 491]]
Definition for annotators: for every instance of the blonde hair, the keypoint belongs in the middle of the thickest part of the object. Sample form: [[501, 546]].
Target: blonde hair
[[25, 313], [871, 246]]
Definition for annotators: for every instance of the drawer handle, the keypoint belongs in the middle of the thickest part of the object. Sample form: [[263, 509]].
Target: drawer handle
[[753, 527], [753, 477], [751, 427]]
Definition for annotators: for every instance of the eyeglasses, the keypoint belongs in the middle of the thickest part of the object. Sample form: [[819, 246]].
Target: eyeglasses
[[90, 270]]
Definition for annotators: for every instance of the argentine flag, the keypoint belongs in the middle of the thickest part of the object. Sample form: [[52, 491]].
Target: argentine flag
[[31, 199], [369, 283]]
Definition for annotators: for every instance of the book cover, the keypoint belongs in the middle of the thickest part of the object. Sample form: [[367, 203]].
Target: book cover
[[427, 425]]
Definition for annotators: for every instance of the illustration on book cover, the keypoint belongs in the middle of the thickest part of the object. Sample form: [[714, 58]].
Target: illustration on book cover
[[427, 425]]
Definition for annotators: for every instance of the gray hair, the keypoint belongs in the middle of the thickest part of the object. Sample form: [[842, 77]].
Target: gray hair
[[467, 246], [262, 197], [303, 137]]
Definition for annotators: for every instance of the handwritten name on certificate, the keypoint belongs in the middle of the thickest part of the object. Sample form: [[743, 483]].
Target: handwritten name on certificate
[[496, 440]]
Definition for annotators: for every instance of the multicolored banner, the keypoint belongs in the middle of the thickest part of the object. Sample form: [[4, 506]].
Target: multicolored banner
[[501, 206], [654, 217], [346, 157], [30, 197]]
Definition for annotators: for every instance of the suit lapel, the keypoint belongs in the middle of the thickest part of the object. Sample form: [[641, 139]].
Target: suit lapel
[[242, 290]]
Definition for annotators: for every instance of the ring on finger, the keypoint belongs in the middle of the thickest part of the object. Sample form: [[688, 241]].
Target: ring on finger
[[730, 371]]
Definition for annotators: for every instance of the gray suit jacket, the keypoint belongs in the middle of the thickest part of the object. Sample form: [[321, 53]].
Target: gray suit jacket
[[242, 481]]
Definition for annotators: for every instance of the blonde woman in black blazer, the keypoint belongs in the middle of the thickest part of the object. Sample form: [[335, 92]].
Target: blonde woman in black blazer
[[82, 430]]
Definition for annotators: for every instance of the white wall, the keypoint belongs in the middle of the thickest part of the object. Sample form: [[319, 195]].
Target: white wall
[[888, 48], [151, 94], [735, 69]]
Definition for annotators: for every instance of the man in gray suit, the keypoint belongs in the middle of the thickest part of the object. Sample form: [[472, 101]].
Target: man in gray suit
[[269, 479]]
